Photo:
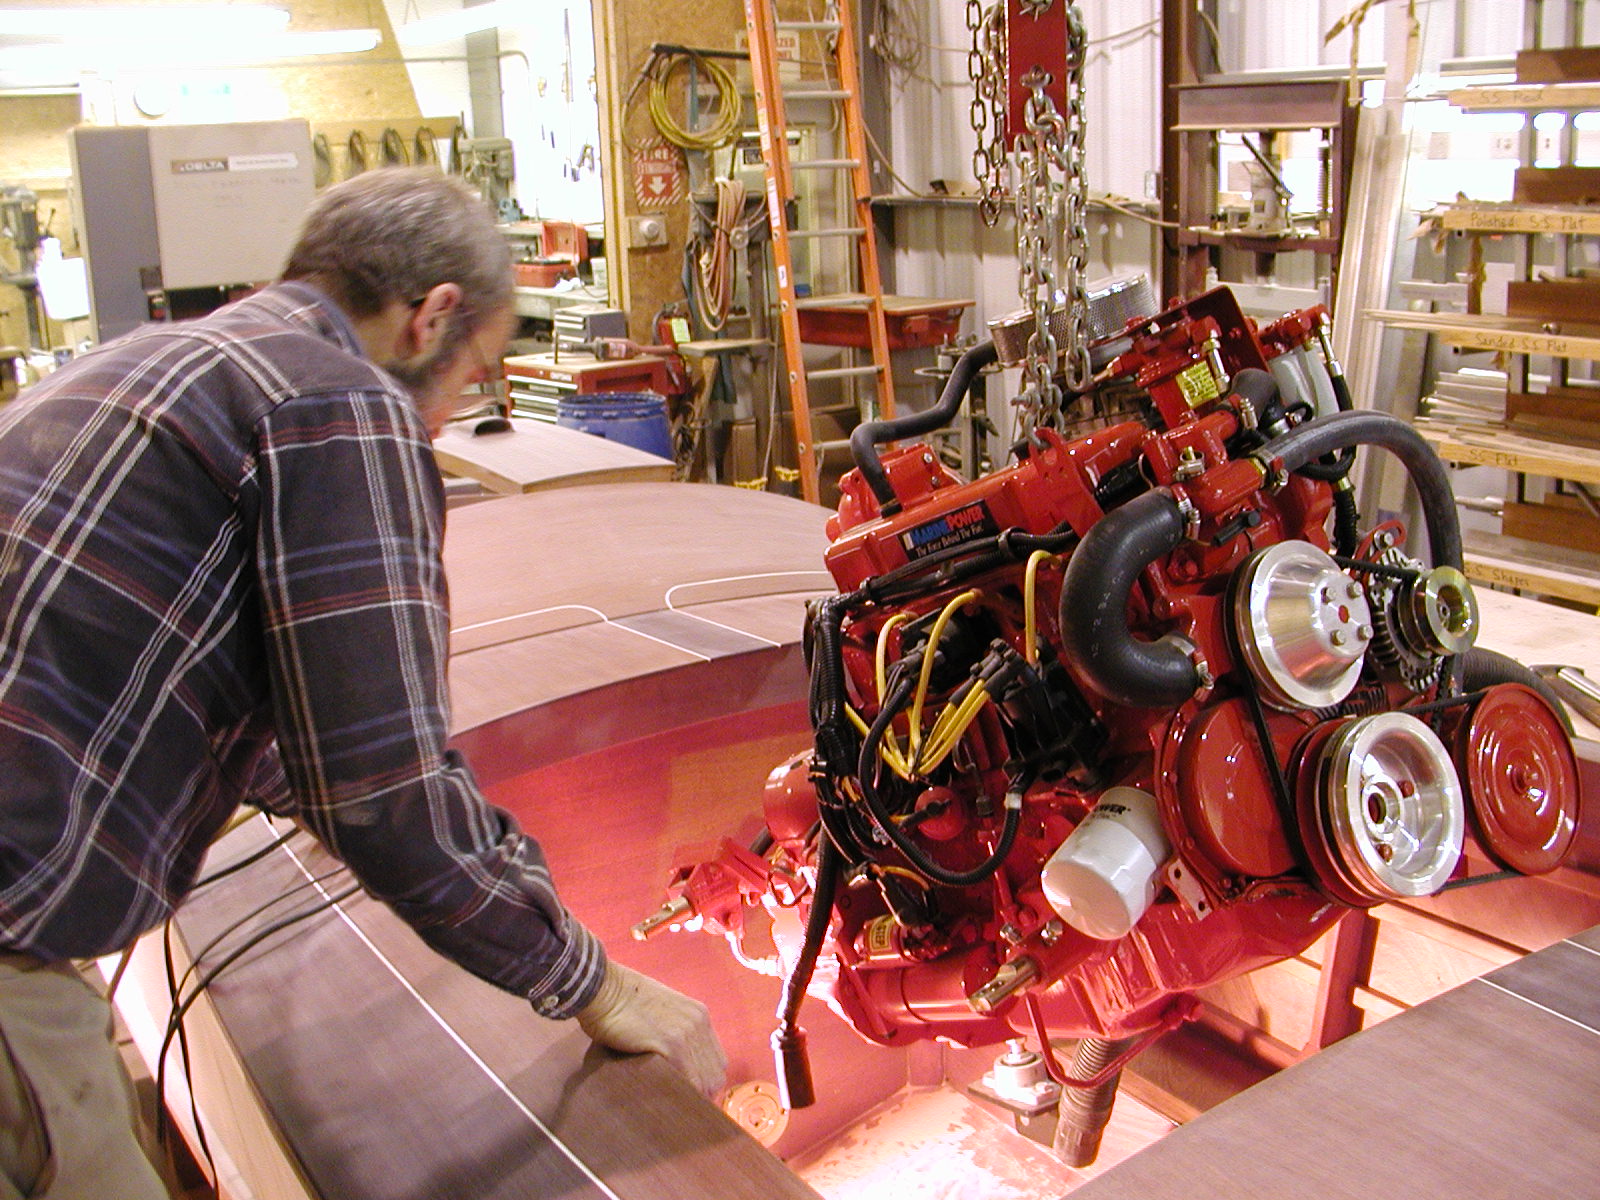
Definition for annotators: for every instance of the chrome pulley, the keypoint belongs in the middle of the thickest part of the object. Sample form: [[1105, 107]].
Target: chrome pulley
[[1382, 811], [1419, 620], [1303, 625]]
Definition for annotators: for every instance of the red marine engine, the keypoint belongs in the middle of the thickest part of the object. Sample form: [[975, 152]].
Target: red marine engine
[[1143, 711]]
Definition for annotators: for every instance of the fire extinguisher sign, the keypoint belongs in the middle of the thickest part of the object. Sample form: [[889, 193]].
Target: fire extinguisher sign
[[658, 180]]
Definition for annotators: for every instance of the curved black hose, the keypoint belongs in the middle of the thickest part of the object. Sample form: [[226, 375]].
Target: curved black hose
[[1101, 573], [1339, 430], [1336, 431], [866, 775], [869, 435], [788, 1039], [1258, 387], [1482, 668], [1336, 467], [1094, 606]]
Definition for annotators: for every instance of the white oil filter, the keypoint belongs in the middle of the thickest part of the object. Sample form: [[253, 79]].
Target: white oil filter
[[1103, 877]]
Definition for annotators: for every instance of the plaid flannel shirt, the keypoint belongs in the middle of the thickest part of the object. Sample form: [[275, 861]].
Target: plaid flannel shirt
[[220, 581]]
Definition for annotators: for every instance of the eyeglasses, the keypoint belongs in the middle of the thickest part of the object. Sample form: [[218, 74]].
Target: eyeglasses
[[489, 391]]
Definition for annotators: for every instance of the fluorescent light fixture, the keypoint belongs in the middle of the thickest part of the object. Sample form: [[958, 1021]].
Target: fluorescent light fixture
[[448, 26], [297, 45], [213, 20], [109, 56]]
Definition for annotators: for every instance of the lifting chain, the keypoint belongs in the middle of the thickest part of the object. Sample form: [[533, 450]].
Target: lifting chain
[[987, 69], [1051, 206]]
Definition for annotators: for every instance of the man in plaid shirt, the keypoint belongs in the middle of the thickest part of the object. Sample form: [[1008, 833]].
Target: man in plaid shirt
[[220, 582]]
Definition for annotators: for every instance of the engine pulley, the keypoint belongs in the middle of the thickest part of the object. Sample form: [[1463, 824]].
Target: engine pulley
[[1439, 613], [1521, 778], [1303, 625], [1382, 813]]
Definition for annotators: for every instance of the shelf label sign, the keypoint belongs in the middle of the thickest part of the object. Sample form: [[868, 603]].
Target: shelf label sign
[[658, 180]]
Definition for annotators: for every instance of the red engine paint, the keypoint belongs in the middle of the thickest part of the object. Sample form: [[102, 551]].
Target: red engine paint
[[1248, 881]]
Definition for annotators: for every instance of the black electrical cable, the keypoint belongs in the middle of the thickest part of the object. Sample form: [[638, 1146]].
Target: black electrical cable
[[183, 1053], [259, 910], [834, 737], [1007, 547], [1346, 519], [175, 1019], [884, 822], [253, 857], [788, 1039]]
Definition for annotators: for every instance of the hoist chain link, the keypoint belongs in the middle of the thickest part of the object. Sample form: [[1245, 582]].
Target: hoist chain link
[[1040, 207], [1052, 230], [1050, 199], [987, 71], [1077, 368]]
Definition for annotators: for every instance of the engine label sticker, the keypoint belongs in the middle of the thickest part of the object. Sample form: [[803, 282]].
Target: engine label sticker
[[1197, 384], [951, 529]]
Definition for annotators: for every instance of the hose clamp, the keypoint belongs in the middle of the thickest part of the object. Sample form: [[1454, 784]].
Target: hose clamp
[[1189, 514], [1274, 478]]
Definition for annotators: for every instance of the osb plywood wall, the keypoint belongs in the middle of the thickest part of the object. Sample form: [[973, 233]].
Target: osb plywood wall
[[624, 31], [332, 93]]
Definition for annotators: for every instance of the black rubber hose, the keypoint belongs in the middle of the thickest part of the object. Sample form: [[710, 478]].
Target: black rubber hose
[[1324, 435], [788, 1039], [1258, 387], [1333, 469], [1094, 606], [1482, 668], [869, 435]]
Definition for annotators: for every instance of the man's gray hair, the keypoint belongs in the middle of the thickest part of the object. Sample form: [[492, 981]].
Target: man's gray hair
[[393, 234]]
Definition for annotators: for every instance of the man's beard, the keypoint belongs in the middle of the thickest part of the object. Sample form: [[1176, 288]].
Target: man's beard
[[415, 374]]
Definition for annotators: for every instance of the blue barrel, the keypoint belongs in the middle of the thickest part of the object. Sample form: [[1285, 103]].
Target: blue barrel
[[637, 419]]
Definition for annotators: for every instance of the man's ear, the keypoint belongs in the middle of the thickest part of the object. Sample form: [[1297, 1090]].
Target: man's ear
[[429, 322]]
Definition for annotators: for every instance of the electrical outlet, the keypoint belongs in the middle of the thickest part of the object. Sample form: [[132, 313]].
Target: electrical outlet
[[647, 230]]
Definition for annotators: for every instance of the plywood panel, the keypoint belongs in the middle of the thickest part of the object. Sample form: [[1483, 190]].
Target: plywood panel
[[1408, 966], [1555, 525], [1557, 185], [1553, 299], [1565, 412], [1401, 1109], [1568, 64]]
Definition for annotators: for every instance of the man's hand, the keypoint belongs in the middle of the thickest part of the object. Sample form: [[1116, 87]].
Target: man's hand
[[633, 1013]]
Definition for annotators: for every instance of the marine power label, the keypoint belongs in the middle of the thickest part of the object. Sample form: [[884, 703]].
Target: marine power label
[[949, 529]]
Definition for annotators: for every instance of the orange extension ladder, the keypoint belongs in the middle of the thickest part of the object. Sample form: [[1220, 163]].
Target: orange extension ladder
[[773, 96]]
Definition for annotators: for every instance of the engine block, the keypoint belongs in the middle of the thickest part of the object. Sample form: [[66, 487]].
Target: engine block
[[1142, 711]]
